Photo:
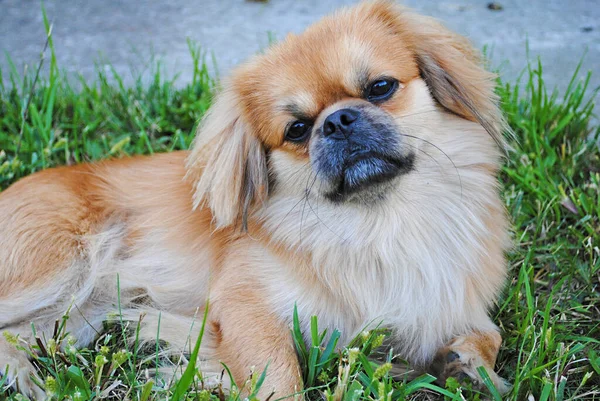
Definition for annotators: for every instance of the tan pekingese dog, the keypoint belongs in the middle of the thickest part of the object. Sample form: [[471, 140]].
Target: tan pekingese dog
[[350, 170]]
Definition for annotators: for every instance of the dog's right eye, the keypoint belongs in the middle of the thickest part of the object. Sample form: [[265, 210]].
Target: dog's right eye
[[298, 131]]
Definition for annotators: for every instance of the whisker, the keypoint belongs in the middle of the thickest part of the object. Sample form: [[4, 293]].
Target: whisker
[[425, 153], [322, 222], [293, 175], [295, 204], [288, 213], [418, 113], [445, 154], [306, 193]]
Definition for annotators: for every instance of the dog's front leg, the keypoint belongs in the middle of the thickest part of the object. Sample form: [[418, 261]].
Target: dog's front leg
[[249, 337], [461, 357]]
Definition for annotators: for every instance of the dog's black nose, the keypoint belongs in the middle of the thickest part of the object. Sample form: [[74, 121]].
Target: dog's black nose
[[339, 124]]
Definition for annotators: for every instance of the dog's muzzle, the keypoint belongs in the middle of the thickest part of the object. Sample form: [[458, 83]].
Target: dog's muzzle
[[357, 150]]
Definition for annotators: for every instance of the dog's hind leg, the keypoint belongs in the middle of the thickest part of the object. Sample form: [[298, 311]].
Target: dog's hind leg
[[33, 314], [84, 294], [50, 260]]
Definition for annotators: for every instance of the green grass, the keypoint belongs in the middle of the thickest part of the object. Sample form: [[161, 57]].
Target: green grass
[[549, 313]]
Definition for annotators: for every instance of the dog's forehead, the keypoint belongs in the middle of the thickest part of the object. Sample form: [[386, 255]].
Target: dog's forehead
[[305, 80]]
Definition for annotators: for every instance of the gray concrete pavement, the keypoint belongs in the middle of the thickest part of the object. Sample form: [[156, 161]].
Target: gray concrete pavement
[[126, 33]]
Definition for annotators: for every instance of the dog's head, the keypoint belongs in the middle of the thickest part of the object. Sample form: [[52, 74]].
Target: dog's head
[[345, 111]]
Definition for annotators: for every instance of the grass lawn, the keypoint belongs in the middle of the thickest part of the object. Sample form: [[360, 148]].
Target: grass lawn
[[549, 313]]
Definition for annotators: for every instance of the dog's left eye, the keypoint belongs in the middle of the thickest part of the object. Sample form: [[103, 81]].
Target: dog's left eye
[[298, 131], [381, 90]]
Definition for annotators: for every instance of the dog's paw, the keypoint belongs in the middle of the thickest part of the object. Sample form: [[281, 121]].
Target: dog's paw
[[18, 370], [462, 365]]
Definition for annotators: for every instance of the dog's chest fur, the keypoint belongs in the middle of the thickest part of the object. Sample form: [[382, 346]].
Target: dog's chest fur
[[413, 277]]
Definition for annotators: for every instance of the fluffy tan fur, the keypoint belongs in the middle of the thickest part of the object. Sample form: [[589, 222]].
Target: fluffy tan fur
[[242, 218]]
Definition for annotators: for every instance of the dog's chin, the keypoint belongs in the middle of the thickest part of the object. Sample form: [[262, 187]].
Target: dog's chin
[[368, 177]]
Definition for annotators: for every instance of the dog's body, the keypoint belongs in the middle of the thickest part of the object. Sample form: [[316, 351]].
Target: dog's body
[[411, 235]]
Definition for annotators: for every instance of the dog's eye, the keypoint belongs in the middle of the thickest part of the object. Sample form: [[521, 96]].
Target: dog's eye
[[298, 131], [382, 89]]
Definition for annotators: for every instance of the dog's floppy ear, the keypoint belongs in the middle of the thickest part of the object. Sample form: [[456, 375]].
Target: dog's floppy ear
[[227, 163], [454, 73]]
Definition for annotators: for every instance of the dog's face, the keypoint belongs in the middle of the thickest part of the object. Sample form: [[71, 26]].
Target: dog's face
[[327, 102], [341, 111]]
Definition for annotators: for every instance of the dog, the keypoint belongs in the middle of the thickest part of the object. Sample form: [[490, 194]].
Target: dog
[[350, 170]]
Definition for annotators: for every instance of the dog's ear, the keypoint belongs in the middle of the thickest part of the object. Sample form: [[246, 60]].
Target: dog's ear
[[454, 72], [227, 163]]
